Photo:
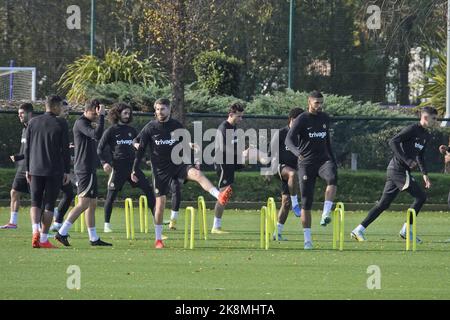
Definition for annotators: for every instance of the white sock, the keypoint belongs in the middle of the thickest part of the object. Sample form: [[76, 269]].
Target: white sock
[[55, 212], [404, 228], [307, 234], [214, 192], [294, 201], [360, 228], [327, 205], [93, 234], [13, 219], [174, 215], [107, 225], [65, 228], [158, 231], [217, 223], [57, 224], [44, 237], [280, 228], [35, 227]]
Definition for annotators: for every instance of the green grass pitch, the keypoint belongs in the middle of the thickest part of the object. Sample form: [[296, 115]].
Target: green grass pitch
[[231, 266]]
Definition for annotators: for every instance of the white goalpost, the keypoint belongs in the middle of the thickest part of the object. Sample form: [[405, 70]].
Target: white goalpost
[[17, 83]]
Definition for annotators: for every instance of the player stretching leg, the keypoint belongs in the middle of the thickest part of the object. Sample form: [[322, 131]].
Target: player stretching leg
[[157, 135]]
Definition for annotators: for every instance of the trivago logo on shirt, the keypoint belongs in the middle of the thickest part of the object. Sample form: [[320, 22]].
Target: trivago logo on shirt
[[121, 142], [320, 135], [165, 142], [418, 146]]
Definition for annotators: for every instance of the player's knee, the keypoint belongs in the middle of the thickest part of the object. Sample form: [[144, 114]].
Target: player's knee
[[291, 174], [195, 174], [14, 194], [307, 203]]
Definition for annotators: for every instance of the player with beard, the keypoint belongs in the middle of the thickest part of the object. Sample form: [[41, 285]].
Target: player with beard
[[158, 135], [116, 153]]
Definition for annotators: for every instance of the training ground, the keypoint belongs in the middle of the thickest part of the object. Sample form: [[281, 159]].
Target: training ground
[[231, 266]]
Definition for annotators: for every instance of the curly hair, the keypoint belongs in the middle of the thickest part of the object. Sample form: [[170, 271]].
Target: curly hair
[[116, 110]]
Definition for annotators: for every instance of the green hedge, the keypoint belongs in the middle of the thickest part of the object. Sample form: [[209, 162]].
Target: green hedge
[[353, 187], [217, 72]]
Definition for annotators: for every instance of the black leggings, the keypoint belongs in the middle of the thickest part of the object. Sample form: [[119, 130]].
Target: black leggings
[[112, 195], [389, 194], [175, 190], [67, 198]]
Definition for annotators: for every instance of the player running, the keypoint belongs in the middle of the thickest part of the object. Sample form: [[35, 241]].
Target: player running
[[408, 147], [116, 153], [20, 184], [158, 136], [86, 131], [315, 158], [286, 163], [47, 160], [226, 144]]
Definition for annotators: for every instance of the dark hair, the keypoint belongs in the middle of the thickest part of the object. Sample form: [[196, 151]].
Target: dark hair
[[429, 110], [163, 102], [116, 110], [27, 107], [294, 113], [92, 105], [52, 101], [315, 94], [236, 107]]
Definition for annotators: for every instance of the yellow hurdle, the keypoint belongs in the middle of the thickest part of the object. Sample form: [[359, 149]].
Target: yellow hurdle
[[262, 227], [129, 218], [268, 224], [338, 226], [189, 211], [143, 214], [80, 223], [409, 213], [203, 228], [273, 219]]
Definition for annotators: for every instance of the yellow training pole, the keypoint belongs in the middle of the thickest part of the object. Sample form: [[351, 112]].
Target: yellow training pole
[[408, 230], [192, 228], [82, 222], [143, 214], [129, 218], [77, 226], [262, 226], [203, 229], [272, 212]]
